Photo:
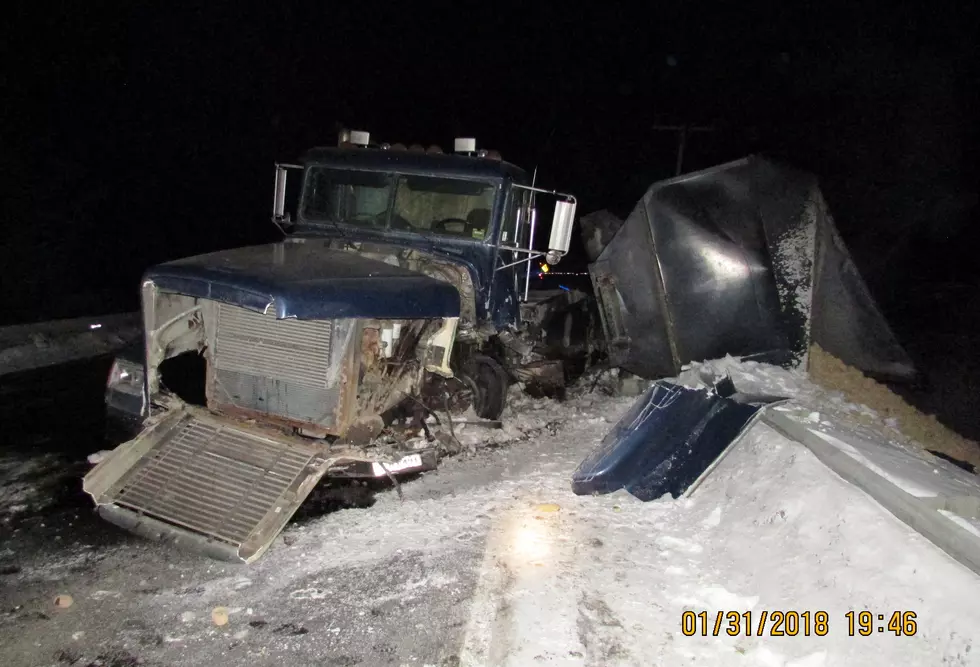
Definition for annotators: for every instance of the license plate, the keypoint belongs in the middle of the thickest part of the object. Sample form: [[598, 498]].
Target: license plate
[[410, 461]]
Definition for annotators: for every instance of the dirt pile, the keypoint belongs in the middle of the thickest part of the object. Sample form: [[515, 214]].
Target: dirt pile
[[833, 374]]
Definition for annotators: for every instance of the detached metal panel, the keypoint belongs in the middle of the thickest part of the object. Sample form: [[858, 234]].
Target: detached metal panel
[[207, 481]]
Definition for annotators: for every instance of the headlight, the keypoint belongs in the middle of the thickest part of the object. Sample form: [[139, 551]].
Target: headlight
[[126, 376]]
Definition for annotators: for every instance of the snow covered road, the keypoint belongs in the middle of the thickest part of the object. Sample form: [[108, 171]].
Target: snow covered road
[[492, 560]]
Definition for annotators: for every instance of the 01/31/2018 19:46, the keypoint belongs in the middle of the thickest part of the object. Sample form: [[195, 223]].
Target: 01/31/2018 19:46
[[794, 623]]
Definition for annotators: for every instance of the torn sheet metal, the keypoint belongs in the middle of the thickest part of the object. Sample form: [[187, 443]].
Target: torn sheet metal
[[741, 259], [667, 441]]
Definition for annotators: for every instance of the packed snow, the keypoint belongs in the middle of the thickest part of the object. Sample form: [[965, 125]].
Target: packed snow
[[793, 260], [794, 256], [492, 560], [607, 579], [23, 484]]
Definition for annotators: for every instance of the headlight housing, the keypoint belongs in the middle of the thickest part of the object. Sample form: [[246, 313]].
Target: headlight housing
[[126, 376]]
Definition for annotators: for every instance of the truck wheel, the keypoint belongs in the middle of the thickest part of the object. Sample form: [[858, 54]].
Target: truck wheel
[[488, 382]]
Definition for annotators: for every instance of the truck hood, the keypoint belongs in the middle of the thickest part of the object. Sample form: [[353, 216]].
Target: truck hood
[[307, 281]]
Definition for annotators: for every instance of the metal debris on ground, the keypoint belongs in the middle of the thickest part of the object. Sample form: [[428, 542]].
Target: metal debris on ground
[[668, 439]]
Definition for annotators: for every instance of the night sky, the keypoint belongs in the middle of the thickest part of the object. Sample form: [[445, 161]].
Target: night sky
[[133, 135]]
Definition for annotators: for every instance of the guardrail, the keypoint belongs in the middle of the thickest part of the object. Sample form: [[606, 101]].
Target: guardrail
[[36, 345]]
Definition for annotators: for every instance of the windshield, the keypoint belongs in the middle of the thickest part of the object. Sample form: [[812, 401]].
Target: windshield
[[426, 204], [354, 197]]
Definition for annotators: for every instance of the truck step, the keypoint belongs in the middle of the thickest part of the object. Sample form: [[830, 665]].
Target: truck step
[[206, 482]]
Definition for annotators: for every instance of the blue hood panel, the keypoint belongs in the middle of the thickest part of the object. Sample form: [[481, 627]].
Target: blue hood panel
[[308, 282]]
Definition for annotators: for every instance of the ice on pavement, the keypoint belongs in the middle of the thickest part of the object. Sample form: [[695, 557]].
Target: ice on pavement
[[604, 580]]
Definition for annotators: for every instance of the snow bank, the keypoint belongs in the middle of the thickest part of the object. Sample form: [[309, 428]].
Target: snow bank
[[571, 580], [607, 579]]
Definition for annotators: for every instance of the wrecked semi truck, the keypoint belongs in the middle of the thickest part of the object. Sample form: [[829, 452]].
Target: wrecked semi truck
[[401, 290]]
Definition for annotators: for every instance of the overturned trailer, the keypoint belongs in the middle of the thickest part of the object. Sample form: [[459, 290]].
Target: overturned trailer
[[741, 259]]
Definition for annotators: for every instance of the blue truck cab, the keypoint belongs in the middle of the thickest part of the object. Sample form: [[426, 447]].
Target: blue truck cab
[[401, 290]]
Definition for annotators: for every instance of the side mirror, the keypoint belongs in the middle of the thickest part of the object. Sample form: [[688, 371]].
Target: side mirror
[[279, 213], [279, 196], [561, 230]]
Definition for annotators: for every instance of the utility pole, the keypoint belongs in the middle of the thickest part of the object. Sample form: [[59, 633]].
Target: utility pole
[[682, 132]]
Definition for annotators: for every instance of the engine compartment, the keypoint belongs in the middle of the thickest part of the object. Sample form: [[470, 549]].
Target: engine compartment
[[315, 378]]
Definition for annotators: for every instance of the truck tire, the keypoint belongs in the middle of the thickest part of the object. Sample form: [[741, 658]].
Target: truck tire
[[488, 382]]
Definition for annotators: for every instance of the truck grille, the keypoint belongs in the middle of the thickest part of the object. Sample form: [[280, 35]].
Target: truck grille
[[277, 367], [217, 481], [204, 481]]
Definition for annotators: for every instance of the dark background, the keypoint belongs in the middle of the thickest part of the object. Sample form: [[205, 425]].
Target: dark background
[[134, 134]]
